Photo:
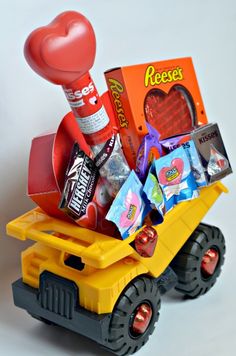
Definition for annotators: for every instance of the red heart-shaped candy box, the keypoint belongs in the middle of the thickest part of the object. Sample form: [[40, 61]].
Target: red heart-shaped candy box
[[170, 114], [49, 157]]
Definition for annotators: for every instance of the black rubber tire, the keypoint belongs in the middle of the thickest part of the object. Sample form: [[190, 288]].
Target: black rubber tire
[[120, 339], [187, 263]]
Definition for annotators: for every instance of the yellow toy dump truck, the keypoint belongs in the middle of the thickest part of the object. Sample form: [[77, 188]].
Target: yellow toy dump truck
[[100, 286]]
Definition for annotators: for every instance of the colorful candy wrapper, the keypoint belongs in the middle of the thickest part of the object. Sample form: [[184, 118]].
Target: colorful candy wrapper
[[195, 163], [176, 178], [185, 141], [128, 210], [149, 149], [211, 153], [154, 194]]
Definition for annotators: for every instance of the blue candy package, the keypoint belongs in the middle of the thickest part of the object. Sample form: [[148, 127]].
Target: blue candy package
[[172, 143], [195, 163], [129, 208], [176, 178]]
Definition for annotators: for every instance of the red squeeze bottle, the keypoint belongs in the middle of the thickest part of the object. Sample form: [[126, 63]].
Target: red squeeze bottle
[[63, 52], [88, 109]]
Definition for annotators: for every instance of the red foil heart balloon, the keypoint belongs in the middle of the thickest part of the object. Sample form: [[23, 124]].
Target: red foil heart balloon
[[62, 51]]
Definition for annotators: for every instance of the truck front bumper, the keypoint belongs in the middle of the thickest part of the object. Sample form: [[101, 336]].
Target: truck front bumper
[[80, 320]]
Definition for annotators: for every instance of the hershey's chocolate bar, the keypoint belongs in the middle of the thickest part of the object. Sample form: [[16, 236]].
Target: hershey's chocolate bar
[[80, 183]]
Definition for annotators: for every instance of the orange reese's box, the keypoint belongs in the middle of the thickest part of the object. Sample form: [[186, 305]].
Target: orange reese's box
[[165, 94]]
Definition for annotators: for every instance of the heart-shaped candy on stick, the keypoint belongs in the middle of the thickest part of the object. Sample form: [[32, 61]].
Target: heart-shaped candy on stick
[[63, 52]]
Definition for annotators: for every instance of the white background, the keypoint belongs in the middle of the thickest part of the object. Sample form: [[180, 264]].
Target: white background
[[128, 32]]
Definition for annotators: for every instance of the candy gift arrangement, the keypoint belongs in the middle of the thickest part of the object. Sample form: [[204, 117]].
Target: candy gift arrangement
[[125, 159], [121, 188]]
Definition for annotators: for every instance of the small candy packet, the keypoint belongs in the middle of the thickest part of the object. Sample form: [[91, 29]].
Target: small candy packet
[[207, 149], [212, 152], [128, 209], [176, 178], [217, 162], [149, 149], [195, 163], [185, 141]]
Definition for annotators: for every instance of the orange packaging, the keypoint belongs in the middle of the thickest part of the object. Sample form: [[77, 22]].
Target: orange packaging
[[166, 94]]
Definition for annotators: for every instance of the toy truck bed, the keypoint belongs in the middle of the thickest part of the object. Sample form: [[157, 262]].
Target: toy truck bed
[[73, 276]]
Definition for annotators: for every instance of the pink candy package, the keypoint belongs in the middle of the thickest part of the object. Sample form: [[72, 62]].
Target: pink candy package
[[129, 209], [176, 178]]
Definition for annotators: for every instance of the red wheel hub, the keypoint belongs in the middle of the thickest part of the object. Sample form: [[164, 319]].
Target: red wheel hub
[[209, 262], [142, 317]]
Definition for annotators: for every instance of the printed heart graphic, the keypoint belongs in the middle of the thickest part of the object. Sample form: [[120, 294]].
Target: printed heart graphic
[[64, 50], [173, 174], [170, 114], [89, 220], [93, 100]]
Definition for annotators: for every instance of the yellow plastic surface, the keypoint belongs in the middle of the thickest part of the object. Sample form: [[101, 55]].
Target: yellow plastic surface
[[177, 227], [98, 288], [95, 249], [110, 264]]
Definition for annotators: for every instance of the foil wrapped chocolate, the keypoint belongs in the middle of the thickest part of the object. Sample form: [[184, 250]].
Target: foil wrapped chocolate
[[112, 164]]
